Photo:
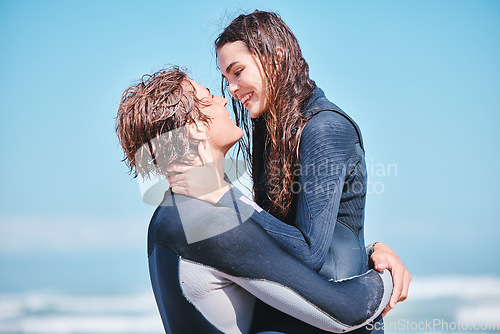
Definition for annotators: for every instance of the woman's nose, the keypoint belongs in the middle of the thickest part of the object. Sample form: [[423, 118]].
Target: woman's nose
[[233, 88]]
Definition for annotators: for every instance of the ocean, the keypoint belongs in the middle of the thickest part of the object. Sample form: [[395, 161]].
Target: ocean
[[436, 304]]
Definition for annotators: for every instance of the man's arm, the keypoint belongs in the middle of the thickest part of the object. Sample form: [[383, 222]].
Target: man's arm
[[245, 254]]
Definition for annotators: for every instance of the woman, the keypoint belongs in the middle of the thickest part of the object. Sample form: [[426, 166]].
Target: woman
[[306, 154], [207, 262]]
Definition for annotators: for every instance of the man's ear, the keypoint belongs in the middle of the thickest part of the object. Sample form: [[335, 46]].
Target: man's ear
[[279, 54], [197, 131]]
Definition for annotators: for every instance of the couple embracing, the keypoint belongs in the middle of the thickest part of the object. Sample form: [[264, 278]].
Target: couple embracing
[[293, 258]]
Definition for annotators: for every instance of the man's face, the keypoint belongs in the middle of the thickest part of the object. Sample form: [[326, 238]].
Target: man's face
[[222, 132]]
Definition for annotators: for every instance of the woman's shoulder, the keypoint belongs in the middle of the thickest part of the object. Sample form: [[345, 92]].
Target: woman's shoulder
[[323, 115], [332, 123], [330, 116]]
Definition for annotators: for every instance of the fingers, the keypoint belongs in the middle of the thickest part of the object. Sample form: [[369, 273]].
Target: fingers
[[384, 258], [176, 178], [398, 281], [401, 281], [381, 266], [380, 262], [178, 168], [384, 312], [180, 188], [406, 286]]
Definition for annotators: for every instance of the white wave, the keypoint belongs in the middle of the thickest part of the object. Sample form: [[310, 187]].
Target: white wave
[[45, 312], [148, 324], [480, 315], [470, 300], [455, 286], [14, 305]]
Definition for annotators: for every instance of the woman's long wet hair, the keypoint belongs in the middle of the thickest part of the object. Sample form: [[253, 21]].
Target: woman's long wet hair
[[274, 136]]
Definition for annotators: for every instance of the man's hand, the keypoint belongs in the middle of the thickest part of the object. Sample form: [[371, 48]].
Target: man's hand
[[384, 257], [204, 180]]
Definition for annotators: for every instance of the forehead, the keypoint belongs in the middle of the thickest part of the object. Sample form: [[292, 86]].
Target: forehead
[[200, 91], [230, 52]]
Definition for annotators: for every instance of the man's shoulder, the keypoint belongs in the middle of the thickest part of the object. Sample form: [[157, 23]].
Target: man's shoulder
[[181, 221], [177, 217]]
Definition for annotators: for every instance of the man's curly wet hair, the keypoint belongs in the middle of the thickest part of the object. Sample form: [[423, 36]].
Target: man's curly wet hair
[[151, 120]]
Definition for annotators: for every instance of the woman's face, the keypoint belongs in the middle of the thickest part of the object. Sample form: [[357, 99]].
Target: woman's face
[[222, 132], [244, 75]]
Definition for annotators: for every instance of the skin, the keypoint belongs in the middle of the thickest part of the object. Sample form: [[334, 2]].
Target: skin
[[222, 133], [215, 139], [243, 77]]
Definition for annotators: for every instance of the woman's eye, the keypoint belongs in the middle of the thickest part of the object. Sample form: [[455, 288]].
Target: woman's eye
[[238, 72]]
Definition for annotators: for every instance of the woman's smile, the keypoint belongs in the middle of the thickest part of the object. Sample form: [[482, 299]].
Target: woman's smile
[[245, 99]]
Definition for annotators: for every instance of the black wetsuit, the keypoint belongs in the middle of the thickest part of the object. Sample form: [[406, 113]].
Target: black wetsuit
[[328, 202], [207, 262]]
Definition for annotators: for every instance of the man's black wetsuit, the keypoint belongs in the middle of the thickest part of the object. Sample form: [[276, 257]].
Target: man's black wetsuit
[[209, 262]]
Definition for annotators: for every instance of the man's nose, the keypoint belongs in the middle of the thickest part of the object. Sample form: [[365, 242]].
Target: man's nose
[[221, 100]]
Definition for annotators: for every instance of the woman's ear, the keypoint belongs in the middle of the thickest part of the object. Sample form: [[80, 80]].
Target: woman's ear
[[197, 131]]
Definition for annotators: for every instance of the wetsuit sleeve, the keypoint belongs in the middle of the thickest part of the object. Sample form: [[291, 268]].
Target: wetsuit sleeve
[[247, 255]]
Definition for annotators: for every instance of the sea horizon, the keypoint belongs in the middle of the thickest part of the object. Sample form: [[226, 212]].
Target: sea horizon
[[436, 304]]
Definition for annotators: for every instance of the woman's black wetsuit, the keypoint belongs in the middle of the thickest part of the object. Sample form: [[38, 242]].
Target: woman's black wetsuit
[[328, 202]]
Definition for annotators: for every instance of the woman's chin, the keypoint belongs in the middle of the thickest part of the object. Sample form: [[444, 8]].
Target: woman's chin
[[253, 114], [254, 111]]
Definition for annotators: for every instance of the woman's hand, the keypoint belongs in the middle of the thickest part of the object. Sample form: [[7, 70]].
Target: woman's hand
[[204, 180], [384, 257]]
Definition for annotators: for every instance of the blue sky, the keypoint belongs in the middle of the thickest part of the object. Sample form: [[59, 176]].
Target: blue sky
[[421, 78]]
